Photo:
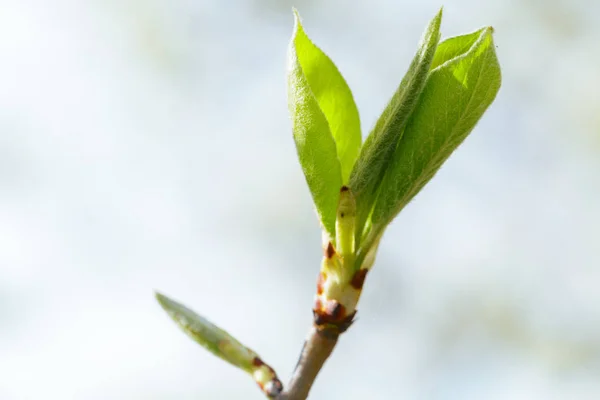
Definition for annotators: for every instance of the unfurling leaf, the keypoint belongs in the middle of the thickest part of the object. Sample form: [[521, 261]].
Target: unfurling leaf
[[376, 153], [211, 337], [221, 344], [461, 86]]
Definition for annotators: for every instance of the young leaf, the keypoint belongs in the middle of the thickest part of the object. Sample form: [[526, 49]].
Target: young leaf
[[223, 345], [379, 147], [457, 93], [454, 47], [333, 95], [314, 142], [208, 335]]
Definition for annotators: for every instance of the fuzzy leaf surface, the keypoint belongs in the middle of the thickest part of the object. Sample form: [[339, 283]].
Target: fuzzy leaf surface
[[463, 84], [333, 95], [377, 152], [208, 335], [311, 102]]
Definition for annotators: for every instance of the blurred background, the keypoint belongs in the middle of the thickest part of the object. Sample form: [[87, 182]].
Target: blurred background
[[146, 145]]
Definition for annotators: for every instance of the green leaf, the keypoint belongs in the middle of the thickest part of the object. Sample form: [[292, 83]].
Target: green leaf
[[314, 142], [454, 47], [223, 345], [333, 95], [457, 93], [210, 336], [379, 147]]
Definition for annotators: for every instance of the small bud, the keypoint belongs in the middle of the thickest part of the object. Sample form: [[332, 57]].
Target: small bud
[[345, 222]]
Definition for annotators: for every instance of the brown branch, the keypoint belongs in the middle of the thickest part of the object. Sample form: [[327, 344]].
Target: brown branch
[[317, 348]]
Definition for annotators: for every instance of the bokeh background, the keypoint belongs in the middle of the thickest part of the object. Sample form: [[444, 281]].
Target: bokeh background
[[145, 144]]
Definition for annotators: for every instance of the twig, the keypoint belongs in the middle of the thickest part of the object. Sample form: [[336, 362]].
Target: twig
[[318, 346]]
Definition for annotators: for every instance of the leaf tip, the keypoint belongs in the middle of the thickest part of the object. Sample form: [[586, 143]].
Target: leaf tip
[[159, 296], [490, 29], [297, 21], [488, 35], [163, 300], [433, 29], [437, 20]]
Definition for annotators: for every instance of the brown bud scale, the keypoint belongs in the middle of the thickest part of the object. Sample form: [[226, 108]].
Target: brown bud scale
[[334, 309], [329, 251], [321, 282], [358, 279], [332, 312], [257, 362]]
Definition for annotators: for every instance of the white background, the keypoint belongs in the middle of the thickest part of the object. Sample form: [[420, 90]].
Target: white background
[[146, 145]]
